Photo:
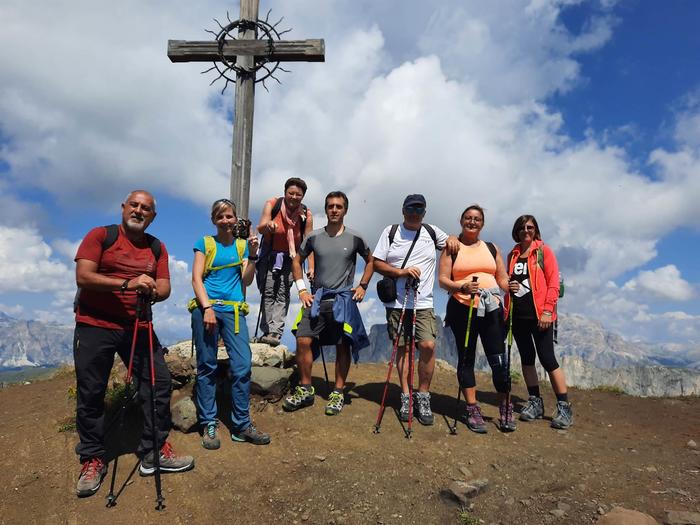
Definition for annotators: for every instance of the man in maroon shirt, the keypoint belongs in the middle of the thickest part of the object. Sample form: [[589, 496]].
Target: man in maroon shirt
[[111, 275]]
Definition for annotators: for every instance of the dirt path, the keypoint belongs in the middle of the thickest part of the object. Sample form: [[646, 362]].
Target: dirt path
[[622, 451]]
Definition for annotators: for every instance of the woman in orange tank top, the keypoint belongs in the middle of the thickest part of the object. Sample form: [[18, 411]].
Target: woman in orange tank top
[[482, 295]]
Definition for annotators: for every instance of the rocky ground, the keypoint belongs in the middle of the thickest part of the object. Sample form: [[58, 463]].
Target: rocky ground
[[622, 451]]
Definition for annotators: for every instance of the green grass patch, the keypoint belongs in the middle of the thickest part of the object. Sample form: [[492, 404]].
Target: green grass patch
[[465, 518], [515, 377], [609, 389], [67, 425]]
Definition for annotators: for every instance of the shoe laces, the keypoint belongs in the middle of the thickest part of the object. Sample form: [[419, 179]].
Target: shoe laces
[[299, 394], [423, 403], [91, 468], [211, 430], [475, 413], [167, 451], [335, 399]]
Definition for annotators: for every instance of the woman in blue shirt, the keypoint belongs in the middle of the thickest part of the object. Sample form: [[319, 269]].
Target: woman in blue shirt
[[223, 266]]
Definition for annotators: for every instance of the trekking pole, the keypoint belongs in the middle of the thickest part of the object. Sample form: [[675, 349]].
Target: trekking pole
[[262, 300], [411, 356], [325, 370], [453, 429], [111, 498], [510, 345], [156, 449], [380, 414]]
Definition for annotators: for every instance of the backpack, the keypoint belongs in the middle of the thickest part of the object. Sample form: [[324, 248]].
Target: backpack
[[110, 238], [210, 255], [428, 228], [540, 263]]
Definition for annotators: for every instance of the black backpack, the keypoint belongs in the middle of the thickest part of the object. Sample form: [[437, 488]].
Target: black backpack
[[109, 240]]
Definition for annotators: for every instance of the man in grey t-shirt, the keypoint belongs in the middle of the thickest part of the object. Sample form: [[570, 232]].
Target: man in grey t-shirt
[[335, 249]]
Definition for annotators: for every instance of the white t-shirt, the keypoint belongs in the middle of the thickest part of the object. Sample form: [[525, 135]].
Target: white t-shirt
[[423, 256]]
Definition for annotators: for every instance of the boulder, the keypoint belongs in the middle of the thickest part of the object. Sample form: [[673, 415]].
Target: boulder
[[267, 380], [622, 516], [182, 369], [266, 355], [184, 415], [462, 491]]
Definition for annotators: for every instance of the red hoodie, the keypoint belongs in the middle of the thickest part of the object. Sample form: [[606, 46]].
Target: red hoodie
[[544, 282]]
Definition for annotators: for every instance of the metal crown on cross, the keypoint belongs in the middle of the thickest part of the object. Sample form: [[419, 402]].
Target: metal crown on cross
[[258, 45]]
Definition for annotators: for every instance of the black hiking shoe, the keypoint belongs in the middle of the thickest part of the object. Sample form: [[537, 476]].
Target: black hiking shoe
[[421, 406], [403, 411], [533, 410], [474, 420], [564, 416], [302, 397], [506, 422]]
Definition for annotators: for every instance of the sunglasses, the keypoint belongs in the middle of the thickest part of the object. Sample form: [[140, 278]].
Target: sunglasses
[[527, 228], [224, 201], [415, 210]]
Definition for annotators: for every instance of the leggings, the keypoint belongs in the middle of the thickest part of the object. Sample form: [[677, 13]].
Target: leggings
[[529, 338], [490, 329]]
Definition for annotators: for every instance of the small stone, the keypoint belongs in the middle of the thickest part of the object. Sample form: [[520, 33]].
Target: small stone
[[557, 513], [466, 472], [526, 502], [320, 458], [680, 492], [462, 491], [682, 517], [600, 511], [184, 414], [563, 506], [651, 468], [622, 516], [471, 461], [691, 444], [509, 501]]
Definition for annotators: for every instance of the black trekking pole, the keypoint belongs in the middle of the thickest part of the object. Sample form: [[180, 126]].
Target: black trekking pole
[[128, 397], [411, 354], [325, 370], [380, 414], [510, 345], [453, 429], [154, 426]]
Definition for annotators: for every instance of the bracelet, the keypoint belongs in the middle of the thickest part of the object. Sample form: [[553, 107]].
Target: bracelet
[[206, 308], [253, 258], [124, 285], [301, 286]]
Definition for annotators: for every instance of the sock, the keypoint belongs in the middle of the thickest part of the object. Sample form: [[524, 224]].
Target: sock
[[306, 387], [563, 397], [534, 390]]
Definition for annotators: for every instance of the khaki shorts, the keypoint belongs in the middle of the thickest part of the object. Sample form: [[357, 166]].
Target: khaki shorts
[[426, 325]]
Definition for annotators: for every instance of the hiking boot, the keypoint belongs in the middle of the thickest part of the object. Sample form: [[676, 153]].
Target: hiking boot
[[251, 435], [302, 397], [169, 462], [91, 474], [403, 411], [533, 410], [210, 440], [474, 419], [421, 404], [270, 339], [506, 422], [335, 403], [564, 416]]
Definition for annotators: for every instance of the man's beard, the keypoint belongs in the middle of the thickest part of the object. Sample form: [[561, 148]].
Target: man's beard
[[136, 225]]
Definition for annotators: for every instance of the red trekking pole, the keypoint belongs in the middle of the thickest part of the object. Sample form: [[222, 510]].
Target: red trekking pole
[[380, 414]]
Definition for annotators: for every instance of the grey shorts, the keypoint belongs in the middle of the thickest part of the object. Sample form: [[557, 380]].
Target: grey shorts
[[327, 330], [426, 325]]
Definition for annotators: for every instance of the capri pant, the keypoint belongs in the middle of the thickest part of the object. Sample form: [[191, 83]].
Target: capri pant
[[530, 338]]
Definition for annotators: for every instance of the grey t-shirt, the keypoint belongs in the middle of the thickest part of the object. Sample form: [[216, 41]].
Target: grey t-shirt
[[334, 257]]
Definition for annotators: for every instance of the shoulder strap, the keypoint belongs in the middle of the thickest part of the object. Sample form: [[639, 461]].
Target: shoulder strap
[[113, 234], [492, 248], [432, 234], [240, 247], [415, 239], [540, 257], [276, 208], [209, 253], [392, 233]]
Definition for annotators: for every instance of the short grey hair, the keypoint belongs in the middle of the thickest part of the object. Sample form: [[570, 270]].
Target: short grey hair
[[126, 199]]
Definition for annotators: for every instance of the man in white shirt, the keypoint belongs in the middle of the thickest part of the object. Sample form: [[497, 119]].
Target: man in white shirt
[[390, 259]]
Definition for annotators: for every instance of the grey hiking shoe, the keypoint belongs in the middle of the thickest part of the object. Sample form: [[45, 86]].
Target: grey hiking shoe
[[403, 411], [169, 462], [474, 419], [91, 474], [270, 339], [533, 410], [506, 422], [335, 403], [251, 435], [421, 404], [302, 397], [210, 440], [564, 416]]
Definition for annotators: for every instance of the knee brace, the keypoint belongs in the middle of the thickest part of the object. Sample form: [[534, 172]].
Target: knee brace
[[499, 371]]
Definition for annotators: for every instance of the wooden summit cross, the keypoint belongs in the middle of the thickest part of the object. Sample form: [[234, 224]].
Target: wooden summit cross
[[249, 53]]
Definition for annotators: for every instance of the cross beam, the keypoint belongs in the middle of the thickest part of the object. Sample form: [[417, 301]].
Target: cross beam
[[282, 50]]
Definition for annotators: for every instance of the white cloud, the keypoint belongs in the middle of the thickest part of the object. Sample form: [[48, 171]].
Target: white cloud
[[663, 283], [28, 264]]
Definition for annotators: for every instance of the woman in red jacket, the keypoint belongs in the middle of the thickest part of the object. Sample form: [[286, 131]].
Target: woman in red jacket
[[534, 291]]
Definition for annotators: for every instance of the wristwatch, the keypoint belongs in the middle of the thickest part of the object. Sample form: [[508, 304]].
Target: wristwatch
[[364, 286], [124, 285]]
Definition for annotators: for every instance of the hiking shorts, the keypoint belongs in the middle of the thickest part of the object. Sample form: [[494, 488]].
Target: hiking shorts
[[325, 328], [426, 325]]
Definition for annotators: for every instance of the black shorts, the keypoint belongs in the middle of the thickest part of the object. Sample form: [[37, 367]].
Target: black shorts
[[325, 328]]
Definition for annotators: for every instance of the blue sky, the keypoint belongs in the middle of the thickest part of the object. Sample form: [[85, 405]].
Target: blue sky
[[586, 114]]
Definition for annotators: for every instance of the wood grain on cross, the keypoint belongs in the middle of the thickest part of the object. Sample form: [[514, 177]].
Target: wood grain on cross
[[244, 50]]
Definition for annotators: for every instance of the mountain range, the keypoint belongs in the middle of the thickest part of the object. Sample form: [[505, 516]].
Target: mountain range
[[590, 355]]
